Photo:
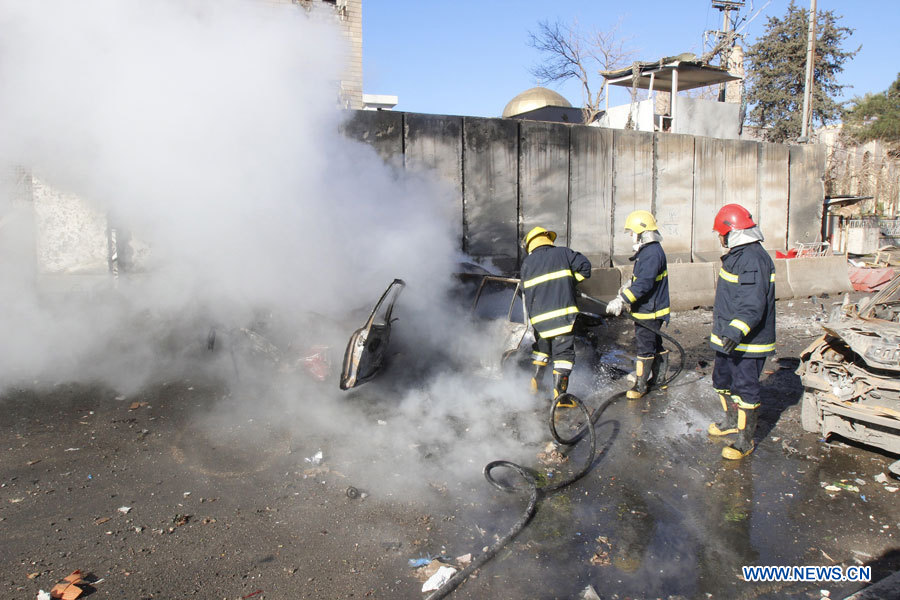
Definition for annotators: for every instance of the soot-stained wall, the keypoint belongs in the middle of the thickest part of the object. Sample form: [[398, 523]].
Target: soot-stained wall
[[582, 182]]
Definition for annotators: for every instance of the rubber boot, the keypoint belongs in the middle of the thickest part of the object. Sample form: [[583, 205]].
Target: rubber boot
[[560, 385], [744, 445], [728, 425], [537, 378], [642, 371], [659, 370]]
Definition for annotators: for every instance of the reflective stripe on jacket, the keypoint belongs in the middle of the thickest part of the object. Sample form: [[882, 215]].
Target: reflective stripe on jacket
[[744, 308], [648, 292], [549, 275]]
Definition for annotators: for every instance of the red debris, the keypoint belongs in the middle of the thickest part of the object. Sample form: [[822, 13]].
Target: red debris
[[865, 279], [68, 589]]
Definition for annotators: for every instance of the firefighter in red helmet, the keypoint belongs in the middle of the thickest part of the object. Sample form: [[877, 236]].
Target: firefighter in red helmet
[[549, 274], [743, 332]]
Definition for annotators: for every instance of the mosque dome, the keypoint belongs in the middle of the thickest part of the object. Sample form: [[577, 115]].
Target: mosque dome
[[533, 99]]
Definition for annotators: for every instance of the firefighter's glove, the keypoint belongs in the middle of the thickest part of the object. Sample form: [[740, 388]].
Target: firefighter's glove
[[615, 306], [728, 345]]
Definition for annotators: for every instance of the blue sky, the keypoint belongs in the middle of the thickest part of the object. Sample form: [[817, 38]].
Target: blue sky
[[470, 57]]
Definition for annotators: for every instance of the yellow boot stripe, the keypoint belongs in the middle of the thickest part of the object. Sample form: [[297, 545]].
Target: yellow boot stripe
[[745, 405]]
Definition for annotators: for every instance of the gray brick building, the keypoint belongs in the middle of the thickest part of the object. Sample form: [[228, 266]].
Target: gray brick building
[[348, 14]]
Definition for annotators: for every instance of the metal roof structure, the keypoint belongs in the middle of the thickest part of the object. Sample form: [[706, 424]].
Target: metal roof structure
[[675, 73]]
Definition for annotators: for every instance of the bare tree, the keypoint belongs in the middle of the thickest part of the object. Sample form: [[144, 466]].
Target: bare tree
[[570, 53]]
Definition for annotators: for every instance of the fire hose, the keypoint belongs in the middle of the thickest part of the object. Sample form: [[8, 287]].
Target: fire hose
[[537, 493]]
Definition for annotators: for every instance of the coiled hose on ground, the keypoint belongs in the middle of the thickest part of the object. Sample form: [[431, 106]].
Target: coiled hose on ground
[[536, 493]]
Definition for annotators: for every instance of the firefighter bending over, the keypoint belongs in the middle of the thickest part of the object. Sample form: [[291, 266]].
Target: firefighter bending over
[[549, 274], [743, 331], [648, 295]]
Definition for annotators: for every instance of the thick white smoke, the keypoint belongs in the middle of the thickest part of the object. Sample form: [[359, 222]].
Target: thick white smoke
[[209, 130]]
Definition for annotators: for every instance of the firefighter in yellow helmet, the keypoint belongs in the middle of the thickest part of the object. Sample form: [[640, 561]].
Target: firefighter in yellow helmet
[[648, 295], [549, 274]]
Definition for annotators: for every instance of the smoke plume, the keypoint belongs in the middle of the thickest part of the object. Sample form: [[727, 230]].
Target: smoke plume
[[206, 134]]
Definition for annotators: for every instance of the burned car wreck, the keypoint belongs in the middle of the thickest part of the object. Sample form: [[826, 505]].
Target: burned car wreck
[[493, 304], [851, 374], [267, 342]]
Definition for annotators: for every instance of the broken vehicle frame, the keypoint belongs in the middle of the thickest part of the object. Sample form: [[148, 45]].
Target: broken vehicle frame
[[368, 345], [851, 374]]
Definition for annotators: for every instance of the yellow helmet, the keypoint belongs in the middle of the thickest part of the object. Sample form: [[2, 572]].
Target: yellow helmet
[[532, 240], [640, 221]]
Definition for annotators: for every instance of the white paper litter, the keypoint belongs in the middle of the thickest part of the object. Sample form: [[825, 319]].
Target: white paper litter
[[442, 576]]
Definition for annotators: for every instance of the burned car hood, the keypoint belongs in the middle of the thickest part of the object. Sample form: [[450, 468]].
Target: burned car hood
[[875, 340]]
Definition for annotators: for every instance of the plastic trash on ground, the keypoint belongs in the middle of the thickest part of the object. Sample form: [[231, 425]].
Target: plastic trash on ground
[[419, 562], [442, 576]]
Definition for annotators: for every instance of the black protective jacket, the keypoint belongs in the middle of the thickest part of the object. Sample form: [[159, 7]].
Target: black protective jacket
[[648, 292], [744, 308], [549, 275]]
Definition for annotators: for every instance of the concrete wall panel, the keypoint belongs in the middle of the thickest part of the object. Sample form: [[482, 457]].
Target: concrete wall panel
[[709, 196], [807, 194], [590, 193], [674, 203], [434, 142], [695, 116], [783, 287], [603, 284], [773, 189], [692, 285], [632, 185], [490, 187], [381, 129], [544, 177], [812, 276], [741, 174]]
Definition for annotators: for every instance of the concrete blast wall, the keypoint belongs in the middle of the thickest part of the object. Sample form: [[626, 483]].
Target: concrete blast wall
[[582, 182], [506, 176]]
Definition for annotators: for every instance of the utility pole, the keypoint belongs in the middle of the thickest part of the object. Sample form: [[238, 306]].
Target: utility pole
[[725, 7], [810, 60]]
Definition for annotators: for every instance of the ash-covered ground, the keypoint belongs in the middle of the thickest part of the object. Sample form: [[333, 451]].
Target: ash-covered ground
[[213, 487]]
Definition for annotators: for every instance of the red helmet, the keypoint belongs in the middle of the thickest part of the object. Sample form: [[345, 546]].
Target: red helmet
[[731, 217]]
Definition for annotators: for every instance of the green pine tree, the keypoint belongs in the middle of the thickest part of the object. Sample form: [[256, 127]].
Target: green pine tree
[[777, 72], [876, 117]]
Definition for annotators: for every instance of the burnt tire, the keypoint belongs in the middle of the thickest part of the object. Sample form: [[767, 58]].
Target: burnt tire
[[809, 412]]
